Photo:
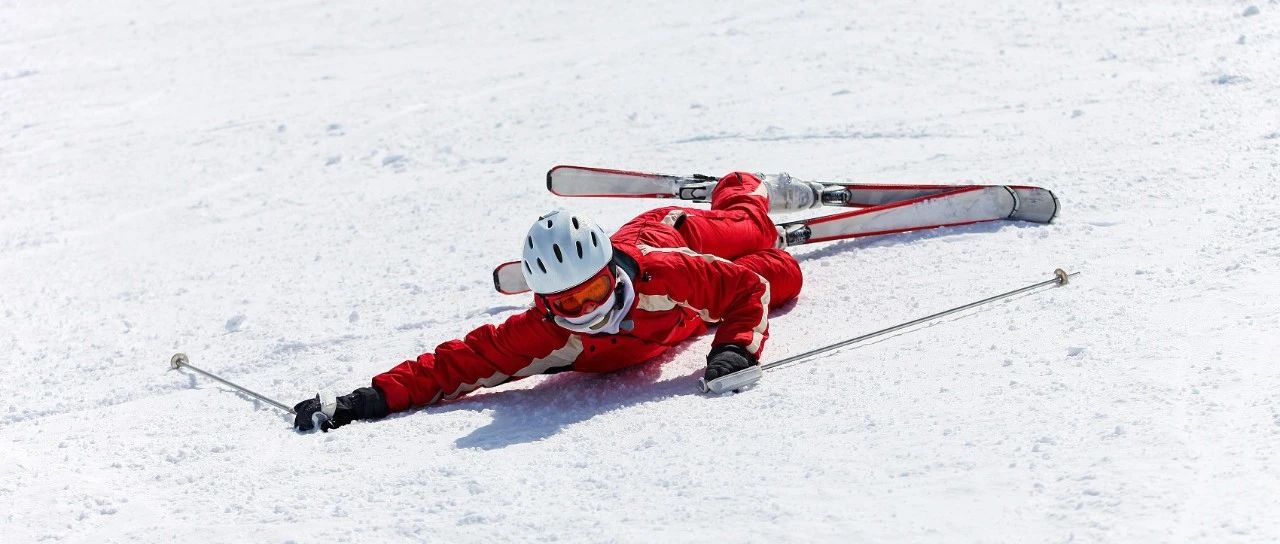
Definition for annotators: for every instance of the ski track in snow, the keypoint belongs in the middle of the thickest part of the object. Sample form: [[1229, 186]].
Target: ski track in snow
[[302, 194]]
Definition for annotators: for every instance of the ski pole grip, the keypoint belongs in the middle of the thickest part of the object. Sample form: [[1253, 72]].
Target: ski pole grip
[[732, 382]]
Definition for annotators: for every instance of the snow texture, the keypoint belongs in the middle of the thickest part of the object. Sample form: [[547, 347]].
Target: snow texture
[[301, 194]]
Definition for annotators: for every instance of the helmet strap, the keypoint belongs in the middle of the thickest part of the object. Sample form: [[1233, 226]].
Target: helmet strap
[[547, 304], [619, 297]]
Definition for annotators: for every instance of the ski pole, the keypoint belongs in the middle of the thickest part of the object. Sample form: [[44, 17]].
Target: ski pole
[[746, 377], [179, 360]]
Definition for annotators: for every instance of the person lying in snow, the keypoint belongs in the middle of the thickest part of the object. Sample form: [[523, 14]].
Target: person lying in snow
[[603, 303]]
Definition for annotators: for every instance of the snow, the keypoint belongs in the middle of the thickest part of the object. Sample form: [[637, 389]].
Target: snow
[[301, 194]]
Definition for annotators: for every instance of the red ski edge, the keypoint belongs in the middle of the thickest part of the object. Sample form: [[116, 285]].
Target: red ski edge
[[896, 231], [898, 204]]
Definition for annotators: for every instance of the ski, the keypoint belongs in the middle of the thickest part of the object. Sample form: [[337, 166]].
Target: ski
[[509, 280], [880, 208], [1035, 204], [950, 208], [583, 181]]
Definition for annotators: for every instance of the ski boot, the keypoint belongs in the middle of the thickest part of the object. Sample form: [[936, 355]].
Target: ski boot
[[787, 194]]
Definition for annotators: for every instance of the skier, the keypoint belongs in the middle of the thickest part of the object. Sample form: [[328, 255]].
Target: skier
[[604, 303]]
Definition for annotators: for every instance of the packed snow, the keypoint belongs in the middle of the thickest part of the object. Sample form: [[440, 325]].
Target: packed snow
[[301, 194]]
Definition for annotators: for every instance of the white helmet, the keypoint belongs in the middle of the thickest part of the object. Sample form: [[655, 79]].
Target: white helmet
[[563, 250]]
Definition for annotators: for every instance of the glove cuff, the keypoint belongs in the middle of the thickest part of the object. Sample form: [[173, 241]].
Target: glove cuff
[[733, 348], [370, 403]]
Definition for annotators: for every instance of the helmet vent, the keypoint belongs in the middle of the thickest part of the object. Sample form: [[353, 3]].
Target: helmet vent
[[530, 242], [548, 223], [575, 222], [541, 267], [579, 249], [594, 242], [526, 267], [559, 256]]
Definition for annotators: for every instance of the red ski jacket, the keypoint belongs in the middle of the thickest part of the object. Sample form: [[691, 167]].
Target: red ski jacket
[[678, 292]]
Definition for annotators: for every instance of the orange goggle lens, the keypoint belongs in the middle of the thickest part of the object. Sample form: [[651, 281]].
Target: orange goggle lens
[[583, 298]]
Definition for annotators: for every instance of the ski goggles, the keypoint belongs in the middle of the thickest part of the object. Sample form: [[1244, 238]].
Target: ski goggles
[[586, 297]]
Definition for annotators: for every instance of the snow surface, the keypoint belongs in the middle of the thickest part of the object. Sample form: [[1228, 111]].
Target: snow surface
[[302, 193]]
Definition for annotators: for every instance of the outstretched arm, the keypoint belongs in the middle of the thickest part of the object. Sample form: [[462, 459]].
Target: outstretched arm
[[524, 345]]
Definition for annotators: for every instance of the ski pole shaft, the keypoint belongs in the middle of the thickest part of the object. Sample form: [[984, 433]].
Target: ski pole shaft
[[179, 360], [746, 377], [1060, 278]]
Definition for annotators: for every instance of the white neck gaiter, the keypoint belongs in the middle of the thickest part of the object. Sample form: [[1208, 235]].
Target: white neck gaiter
[[608, 318]]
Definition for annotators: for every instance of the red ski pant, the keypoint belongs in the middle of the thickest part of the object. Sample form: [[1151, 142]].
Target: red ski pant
[[737, 228]]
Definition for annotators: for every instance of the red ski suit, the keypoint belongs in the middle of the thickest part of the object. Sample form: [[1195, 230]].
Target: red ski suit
[[695, 267]]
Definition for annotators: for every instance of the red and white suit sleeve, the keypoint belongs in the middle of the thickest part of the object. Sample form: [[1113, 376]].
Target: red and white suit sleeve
[[524, 345], [717, 289]]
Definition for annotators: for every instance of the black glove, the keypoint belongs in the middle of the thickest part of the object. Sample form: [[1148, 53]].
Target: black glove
[[363, 403], [727, 359]]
